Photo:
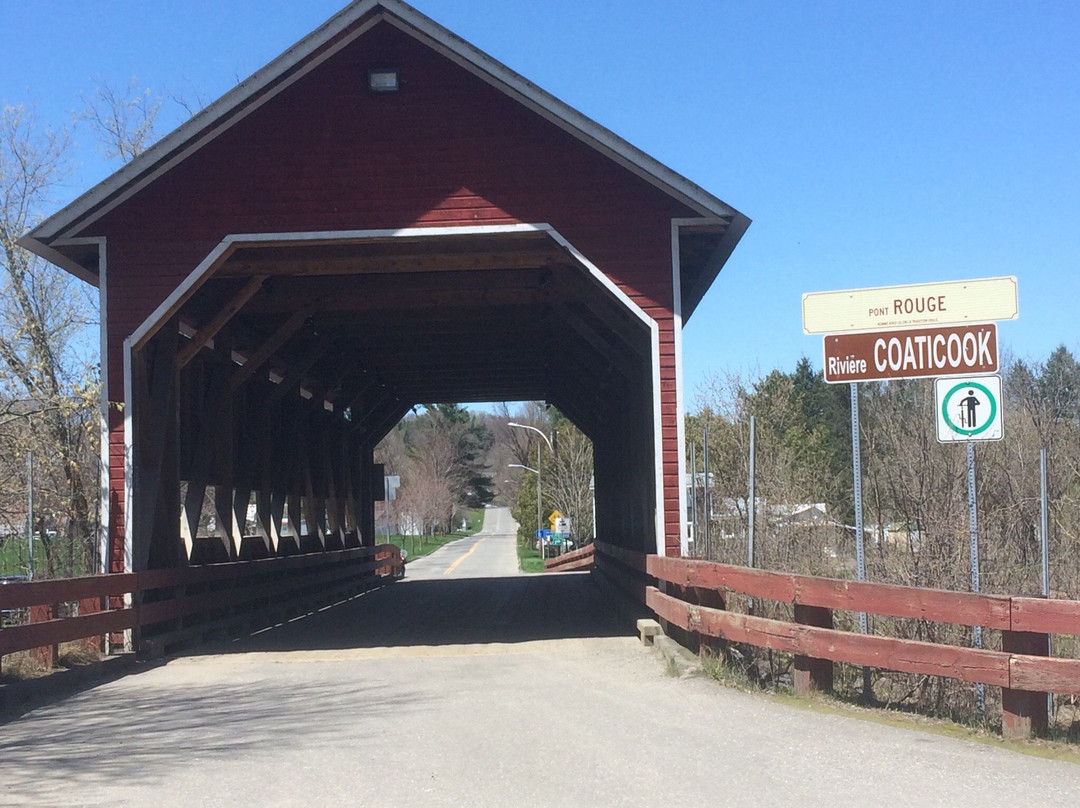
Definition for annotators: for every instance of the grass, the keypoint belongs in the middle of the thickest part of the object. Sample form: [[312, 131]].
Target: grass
[[13, 556], [420, 546], [528, 559], [737, 677], [23, 665]]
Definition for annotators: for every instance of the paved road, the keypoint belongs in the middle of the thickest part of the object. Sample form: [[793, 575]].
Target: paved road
[[491, 553], [448, 690]]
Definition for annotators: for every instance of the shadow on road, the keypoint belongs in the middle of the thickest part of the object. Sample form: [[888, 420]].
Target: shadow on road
[[453, 612]]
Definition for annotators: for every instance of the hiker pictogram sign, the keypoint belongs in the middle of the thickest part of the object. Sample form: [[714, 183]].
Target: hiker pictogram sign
[[968, 409]]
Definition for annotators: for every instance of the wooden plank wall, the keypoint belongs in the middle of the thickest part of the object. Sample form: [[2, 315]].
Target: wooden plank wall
[[449, 150]]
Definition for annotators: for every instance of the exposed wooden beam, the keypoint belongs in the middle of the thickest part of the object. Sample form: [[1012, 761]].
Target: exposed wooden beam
[[618, 356], [296, 372], [283, 294], [218, 321], [262, 354], [362, 301], [359, 264]]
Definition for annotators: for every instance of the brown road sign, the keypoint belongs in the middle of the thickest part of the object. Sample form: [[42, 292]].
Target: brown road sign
[[911, 353]]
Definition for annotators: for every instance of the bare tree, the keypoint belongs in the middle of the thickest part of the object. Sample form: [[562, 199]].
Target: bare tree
[[567, 478], [49, 390], [125, 123]]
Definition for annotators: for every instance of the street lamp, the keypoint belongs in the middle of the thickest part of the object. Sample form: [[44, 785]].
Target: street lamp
[[539, 432], [539, 508]]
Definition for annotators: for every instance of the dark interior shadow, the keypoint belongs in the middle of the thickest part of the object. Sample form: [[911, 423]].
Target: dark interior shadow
[[453, 611]]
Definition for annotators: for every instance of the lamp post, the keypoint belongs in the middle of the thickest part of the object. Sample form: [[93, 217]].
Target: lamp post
[[539, 507]]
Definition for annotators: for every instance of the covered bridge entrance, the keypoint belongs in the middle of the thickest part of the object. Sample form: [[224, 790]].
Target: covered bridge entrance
[[382, 216]]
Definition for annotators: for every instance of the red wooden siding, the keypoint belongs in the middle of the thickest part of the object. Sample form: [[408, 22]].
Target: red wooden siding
[[448, 149]]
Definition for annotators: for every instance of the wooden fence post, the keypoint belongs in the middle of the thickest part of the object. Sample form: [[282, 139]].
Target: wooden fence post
[[812, 673], [1023, 712], [47, 655], [711, 599]]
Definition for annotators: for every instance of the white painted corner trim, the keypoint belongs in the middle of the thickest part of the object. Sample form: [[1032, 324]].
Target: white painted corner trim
[[680, 397], [217, 256]]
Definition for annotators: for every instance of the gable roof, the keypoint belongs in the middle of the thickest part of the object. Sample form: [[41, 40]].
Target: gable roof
[[55, 239]]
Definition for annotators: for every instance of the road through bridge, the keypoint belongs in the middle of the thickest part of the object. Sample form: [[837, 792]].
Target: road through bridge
[[470, 684]]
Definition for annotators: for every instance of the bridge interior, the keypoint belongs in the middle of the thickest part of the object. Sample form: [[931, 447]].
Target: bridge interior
[[282, 365], [467, 593]]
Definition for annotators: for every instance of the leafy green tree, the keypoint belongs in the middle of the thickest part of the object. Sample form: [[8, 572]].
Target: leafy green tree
[[1059, 385]]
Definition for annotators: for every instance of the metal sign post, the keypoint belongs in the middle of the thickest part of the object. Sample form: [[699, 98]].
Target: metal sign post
[[860, 551], [693, 494], [707, 504], [1044, 540], [30, 514], [973, 526], [751, 506]]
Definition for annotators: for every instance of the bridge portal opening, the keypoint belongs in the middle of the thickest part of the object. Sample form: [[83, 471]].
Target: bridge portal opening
[[284, 363]]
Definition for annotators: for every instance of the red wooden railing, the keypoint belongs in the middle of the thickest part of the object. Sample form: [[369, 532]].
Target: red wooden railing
[[693, 600], [170, 605], [580, 559]]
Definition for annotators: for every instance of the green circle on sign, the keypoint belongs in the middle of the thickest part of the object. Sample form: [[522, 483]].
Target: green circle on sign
[[958, 429]]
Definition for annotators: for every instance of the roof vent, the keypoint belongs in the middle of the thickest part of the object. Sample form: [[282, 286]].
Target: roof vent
[[382, 80]]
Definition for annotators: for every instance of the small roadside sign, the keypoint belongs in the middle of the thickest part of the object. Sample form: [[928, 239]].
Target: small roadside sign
[[968, 409], [921, 304], [915, 353], [392, 484]]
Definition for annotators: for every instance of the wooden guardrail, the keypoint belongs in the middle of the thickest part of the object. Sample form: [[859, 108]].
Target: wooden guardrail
[[580, 559], [165, 606], [694, 599]]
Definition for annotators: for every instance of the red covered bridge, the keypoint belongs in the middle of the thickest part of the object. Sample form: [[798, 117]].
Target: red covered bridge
[[385, 216], [382, 216]]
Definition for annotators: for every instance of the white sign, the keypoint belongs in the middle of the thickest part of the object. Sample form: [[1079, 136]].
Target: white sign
[[968, 409], [392, 483], [922, 304]]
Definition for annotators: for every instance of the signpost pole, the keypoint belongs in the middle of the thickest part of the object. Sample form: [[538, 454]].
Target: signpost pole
[[539, 508], [973, 523], [708, 507], [30, 514], [693, 493], [1045, 541], [860, 551], [751, 507], [386, 502]]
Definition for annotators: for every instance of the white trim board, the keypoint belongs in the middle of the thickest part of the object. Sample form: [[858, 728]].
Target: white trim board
[[680, 405], [205, 269], [104, 504]]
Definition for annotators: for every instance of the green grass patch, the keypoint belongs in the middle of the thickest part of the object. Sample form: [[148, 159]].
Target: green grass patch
[[528, 559], [14, 556], [420, 546]]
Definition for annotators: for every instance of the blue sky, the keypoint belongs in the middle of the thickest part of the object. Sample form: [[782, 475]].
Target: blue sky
[[871, 143]]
